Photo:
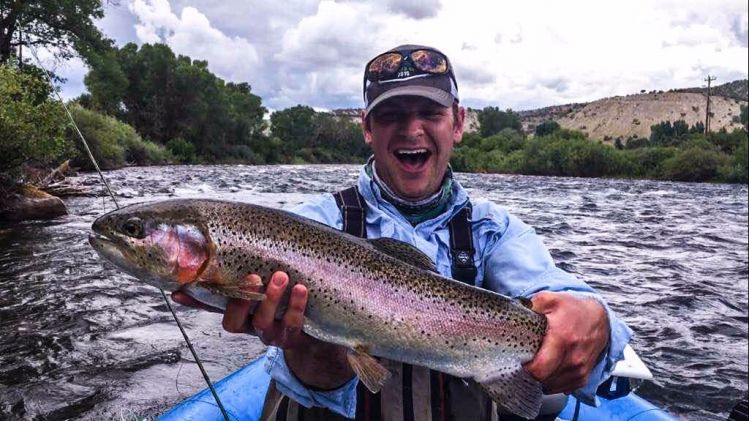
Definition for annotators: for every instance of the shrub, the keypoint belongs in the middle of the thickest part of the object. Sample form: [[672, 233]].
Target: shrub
[[735, 169], [32, 126], [182, 150], [112, 142], [546, 128], [694, 164]]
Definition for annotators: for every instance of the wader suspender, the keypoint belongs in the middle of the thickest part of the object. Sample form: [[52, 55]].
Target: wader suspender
[[354, 214]]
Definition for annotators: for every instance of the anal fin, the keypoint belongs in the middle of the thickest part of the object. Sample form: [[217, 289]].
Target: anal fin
[[369, 370], [513, 389]]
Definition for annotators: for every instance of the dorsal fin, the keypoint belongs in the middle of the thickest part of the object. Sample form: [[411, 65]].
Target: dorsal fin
[[404, 252]]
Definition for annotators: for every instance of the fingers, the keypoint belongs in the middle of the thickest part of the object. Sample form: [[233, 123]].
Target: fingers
[[548, 359], [237, 316], [264, 318], [294, 317], [544, 302]]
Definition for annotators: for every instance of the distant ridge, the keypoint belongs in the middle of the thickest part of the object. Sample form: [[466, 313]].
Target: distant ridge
[[629, 116], [738, 89]]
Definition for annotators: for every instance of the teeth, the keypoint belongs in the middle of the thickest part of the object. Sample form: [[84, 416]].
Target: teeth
[[411, 151]]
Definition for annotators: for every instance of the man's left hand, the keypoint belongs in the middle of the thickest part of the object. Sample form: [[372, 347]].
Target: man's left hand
[[577, 333]]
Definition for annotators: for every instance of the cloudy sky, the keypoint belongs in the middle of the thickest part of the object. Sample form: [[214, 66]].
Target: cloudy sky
[[520, 55]]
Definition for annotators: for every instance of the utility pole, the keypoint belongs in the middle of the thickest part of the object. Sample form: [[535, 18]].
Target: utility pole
[[707, 109]]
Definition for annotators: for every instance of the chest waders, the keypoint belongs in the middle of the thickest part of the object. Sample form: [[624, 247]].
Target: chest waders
[[413, 393]]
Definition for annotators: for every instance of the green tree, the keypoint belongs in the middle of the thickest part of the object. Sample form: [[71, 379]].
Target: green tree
[[32, 125], [636, 142], [546, 128], [166, 97], [492, 121], [296, 127], [62, 26]]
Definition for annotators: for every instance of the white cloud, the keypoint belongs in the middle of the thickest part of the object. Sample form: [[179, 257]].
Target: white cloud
[[521, 55], [192, 34]]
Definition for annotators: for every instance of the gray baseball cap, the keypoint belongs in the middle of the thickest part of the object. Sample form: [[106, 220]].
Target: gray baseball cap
[[408, 78]]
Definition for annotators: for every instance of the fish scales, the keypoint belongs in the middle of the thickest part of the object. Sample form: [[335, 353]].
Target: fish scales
[[359, 296], [451, 315]]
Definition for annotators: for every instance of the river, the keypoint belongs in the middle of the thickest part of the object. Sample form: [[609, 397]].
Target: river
[[79, 340]]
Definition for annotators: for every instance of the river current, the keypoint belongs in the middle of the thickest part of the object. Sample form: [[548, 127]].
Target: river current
[[80, 340]]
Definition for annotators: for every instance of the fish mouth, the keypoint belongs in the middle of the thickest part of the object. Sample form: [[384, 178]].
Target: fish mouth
[[108, 249], [111, 251]]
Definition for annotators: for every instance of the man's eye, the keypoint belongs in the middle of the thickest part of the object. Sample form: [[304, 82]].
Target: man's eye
[[388, 116]]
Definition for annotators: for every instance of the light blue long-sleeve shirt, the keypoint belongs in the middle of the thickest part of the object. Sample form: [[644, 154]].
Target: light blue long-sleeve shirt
[[510, 258]]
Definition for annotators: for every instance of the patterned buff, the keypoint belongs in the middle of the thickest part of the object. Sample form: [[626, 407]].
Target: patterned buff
[[419, 211]]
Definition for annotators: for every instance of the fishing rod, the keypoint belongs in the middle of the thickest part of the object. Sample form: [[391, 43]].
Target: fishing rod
[[109, 190]]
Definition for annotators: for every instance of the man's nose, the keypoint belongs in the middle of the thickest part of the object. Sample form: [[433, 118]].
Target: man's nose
[[412, 125]]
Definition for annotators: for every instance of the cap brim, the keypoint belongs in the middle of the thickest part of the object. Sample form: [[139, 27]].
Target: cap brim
[[435, 94]]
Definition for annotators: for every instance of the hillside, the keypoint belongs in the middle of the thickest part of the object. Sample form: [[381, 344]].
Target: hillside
[[631, 115]]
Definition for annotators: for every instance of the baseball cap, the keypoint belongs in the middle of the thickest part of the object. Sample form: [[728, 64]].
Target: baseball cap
[[414, 70]]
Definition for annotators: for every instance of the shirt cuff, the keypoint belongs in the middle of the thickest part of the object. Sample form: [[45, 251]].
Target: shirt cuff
[[341, 400], [619, 336]]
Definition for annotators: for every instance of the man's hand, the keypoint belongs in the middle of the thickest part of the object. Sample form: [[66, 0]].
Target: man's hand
[[313, 362], [577, 333]]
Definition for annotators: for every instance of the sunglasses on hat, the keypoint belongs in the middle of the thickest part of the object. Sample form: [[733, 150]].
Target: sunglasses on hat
[[402, 65]]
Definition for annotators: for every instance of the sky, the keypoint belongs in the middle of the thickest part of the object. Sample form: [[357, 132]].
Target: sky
[[521, 55]]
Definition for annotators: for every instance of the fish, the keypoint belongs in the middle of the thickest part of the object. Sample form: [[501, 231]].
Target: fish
[[376, 297]]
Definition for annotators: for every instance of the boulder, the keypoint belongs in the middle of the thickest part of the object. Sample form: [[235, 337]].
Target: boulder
[[31, 203]]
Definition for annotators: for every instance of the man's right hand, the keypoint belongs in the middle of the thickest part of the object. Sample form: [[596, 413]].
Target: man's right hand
[[313, 362]]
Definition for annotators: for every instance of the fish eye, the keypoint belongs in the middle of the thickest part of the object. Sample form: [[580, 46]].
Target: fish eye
[[133, 227]]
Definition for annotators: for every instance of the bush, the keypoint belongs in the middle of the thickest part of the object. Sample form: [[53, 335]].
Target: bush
[[506, 141], [183, 151], [694, 164], [735, 169], [112, 142], [32, 126], [647, 162], [546, 128]]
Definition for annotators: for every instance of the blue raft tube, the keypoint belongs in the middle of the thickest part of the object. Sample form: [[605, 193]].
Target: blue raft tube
[[243, 392]]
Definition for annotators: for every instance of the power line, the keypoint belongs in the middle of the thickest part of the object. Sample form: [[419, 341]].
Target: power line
[[707, 108]]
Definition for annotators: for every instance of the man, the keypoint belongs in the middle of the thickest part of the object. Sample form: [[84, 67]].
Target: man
[[412, 121]]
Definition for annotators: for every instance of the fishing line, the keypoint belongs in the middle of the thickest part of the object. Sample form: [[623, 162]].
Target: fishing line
[[109, 190]]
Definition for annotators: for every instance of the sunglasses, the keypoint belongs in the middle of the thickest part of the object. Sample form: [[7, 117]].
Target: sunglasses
[[402, 65]]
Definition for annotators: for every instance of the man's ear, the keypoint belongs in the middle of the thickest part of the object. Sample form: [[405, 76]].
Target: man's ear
[[366, 129], [459, 124]]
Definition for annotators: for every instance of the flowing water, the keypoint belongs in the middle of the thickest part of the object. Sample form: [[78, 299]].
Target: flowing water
[[80, 340]]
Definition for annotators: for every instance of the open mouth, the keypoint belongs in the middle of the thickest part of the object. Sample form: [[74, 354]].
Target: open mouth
[[413, 158]]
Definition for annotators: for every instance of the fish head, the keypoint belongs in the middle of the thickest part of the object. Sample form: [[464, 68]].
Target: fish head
[[158, 244]]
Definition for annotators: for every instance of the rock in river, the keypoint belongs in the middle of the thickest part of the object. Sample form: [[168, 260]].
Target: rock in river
[[31, 203]]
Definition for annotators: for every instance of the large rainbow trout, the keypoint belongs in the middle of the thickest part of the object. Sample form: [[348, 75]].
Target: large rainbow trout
[[377, 297]]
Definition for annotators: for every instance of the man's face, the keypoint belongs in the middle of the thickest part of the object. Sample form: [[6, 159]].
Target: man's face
[[412, 139]]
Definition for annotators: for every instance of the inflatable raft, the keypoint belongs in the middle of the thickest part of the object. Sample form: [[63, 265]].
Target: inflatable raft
[[242, 394]]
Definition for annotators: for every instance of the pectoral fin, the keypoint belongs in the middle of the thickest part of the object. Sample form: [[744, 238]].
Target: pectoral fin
[[369, 370], [247, 288], [513, 389]]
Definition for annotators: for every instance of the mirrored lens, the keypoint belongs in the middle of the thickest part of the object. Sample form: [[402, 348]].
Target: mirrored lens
[[429, 61], [384, 65]]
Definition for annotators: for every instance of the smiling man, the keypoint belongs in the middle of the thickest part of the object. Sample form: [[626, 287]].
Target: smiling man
[[407, 192]]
